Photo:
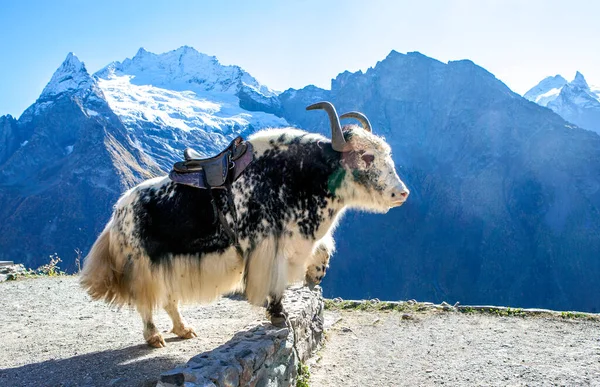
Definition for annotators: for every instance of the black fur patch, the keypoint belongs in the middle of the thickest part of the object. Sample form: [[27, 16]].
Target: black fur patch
[[289, 185], [184, 223]]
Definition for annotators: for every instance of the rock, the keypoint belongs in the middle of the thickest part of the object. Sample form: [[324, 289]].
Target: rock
[[175, 377], [262, 354], [11, 272]]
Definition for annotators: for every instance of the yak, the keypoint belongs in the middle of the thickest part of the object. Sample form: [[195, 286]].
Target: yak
[[168, 243]]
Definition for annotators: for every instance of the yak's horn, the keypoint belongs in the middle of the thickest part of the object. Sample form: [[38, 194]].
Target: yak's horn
[[364, 121], [337, 137]]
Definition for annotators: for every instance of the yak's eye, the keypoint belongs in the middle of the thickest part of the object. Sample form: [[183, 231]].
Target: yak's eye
[[368, 158]]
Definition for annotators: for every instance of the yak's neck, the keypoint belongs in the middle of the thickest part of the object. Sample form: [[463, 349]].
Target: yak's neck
[[322, 177], [301, 180]]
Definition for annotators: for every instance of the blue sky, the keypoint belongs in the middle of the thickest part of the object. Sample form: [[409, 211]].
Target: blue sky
[[294, 43]]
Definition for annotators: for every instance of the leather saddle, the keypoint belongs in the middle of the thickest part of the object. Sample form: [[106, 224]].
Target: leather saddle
[[213, 172]]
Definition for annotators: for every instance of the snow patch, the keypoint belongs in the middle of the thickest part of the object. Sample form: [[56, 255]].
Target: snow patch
[[182, 98], [185, 110]]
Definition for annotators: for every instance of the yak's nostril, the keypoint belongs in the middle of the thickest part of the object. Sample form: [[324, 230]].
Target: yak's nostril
[[399, 194]]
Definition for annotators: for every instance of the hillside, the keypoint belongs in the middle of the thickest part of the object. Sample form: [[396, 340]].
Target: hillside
[[505, 194], [68, 159]]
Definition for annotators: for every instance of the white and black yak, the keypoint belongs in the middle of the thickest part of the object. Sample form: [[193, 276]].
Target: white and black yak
[[164, 243]]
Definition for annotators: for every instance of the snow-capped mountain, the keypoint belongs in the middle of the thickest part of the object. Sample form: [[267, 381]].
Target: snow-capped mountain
[[184, 98], [505, 193], [88, 138], [575, 101], [62, 164]]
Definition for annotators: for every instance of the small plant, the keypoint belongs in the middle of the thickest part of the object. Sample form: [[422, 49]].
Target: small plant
[[573, 315], [51, 269], [303, 376], [78, 260], [369, 305], [515, 312]]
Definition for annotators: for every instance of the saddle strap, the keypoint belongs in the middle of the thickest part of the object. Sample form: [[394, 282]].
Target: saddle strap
[[232, 233]]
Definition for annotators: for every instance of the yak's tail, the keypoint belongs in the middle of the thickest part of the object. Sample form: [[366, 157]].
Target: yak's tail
[[101, 276]]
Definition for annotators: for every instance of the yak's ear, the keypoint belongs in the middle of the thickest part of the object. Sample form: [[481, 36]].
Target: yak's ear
[[368, 158]]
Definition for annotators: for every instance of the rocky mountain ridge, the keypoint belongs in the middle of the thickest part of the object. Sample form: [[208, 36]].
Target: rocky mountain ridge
[[505, 193]]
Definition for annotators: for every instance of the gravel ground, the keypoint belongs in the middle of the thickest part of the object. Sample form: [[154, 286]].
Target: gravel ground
[[54, 335], [456, 349]]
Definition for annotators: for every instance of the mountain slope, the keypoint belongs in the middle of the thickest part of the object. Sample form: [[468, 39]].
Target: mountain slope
[[73, 162], [575, 101], [505, 195]]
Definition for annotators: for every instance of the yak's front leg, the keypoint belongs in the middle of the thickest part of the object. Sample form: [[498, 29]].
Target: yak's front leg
[[275, 310], [151, 334], [180, 328], [266, 279], [319, 261]]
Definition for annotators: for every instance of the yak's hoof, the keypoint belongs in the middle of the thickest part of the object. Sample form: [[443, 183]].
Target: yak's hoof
[[185, 332], [310, 283], [156, 341], [279, 319], [315, 274]]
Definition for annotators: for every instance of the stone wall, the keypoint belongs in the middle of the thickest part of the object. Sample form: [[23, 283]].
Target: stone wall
[[261, 355]]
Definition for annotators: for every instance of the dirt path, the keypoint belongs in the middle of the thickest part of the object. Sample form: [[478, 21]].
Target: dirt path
[[53, 335], [455, 349]]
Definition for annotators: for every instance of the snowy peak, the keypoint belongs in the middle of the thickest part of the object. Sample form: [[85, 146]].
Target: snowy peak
[[575, 101], [580, 81], [184, 69], [547, 90], [71, 75]]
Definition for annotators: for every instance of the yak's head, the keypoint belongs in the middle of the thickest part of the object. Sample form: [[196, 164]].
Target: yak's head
[[367, 176]]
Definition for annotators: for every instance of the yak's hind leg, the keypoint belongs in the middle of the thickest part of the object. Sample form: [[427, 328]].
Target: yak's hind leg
[[180, 328], [275, 311], [151, 334]]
